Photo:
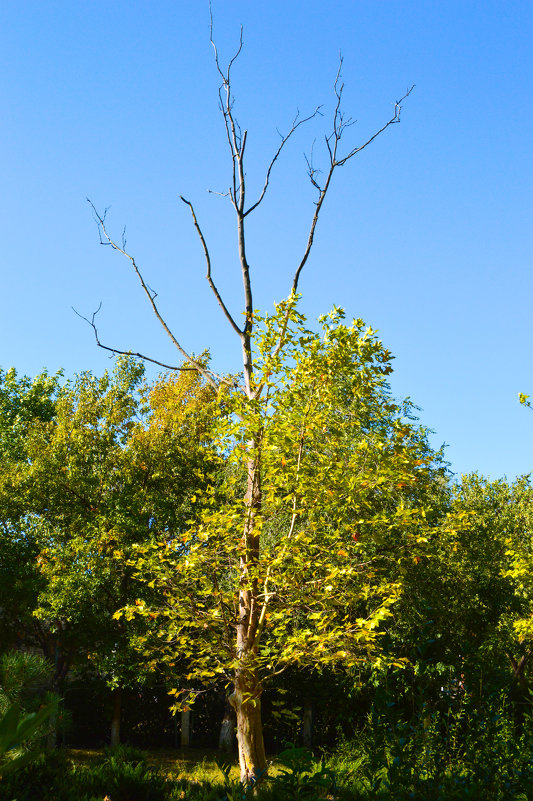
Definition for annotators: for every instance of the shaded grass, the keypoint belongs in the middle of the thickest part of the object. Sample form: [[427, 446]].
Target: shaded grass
[[196, 764], [129, 774]]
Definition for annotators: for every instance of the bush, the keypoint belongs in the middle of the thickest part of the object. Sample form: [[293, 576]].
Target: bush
[[55, 778], [46, 779], [463, 754], [121, 780]]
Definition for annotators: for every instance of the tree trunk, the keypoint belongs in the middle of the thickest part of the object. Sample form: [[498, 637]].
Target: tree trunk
[[185, 727], [115, 717], [51, 737], [246, 697], [307, 723], [227, 728], [519, 671], [246, 700]]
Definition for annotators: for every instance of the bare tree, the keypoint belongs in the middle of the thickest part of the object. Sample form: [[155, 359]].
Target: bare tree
[[249, 623]]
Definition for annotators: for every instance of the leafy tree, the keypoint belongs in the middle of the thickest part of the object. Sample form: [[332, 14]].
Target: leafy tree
[[94, 484], [333, 518], [251, 396], [499, 561], [23, 401], [465, 608]]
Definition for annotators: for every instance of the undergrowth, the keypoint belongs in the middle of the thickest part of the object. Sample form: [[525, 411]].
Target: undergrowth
[[467, 752]]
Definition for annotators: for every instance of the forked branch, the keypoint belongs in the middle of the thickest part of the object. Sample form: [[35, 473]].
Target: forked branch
[[284, 139], [237, 139]]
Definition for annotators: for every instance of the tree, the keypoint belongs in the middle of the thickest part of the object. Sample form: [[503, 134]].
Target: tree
[[341, 471], [252, 399], [493, 563], [96, 482], [23, 402], [466, 609]]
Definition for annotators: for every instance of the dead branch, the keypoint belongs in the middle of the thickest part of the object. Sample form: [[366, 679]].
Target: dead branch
[[237, 143], [221, 303], [284, 139], [116, 351], [105, 239], [236, 139], [332, 143]]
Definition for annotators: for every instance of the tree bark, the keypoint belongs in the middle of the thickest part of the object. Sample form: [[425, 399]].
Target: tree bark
[[115, 717], [246, 697], [246, 700]]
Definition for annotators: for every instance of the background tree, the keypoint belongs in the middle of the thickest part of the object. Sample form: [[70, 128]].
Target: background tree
[[492, 574], [459, 620], [23, 401], [92, 491]]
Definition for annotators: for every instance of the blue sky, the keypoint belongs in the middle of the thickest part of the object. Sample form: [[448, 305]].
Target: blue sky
[[427, 235]]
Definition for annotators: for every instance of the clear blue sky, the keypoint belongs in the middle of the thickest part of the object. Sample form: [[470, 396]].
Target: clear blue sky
[[427, 235]]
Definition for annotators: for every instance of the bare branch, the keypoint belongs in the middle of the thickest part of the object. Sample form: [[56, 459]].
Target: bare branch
[[150, 295], [116, 351], [311, 169], [225, 77], [321, 197], [284, 139], [332, 143], [236, 140], [393, 120], [221, 303], [219, 194], [237, 145]]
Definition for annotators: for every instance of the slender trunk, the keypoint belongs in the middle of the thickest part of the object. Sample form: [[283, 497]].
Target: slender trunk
[[227, 728], [246, 698], [115, 717], [51, 737], [519, 671], [307, 724], [185, 727]]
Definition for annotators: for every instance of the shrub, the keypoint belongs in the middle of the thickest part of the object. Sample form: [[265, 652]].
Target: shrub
[[463, 754]]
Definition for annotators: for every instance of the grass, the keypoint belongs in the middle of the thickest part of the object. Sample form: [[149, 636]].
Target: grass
[[196, 764]]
